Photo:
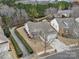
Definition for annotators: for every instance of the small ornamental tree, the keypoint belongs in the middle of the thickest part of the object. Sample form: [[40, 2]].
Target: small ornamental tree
[[6, 25]]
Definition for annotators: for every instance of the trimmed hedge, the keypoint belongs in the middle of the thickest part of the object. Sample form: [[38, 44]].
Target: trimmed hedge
[[16, 47], [6, 32], [29, 49]]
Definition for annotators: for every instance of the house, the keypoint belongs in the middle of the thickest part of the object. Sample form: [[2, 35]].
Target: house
[[66, 26], [59, 23], [65, 13], [4, 44], [41, 30]]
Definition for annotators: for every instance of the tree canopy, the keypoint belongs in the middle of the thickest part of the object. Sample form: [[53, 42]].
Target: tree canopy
[[8, 2]]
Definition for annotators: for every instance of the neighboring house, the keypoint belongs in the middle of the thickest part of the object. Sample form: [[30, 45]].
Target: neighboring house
[[50, 11], [65, 13], [57, 15], [42, 30], [4, 44], [66, 26]]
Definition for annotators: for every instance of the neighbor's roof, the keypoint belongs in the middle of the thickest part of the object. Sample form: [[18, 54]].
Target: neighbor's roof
[[71, 24], [42, 28], [65, 11], [65, 22]]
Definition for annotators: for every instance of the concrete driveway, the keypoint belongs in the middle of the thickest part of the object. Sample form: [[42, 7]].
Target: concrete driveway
[[59, 45]]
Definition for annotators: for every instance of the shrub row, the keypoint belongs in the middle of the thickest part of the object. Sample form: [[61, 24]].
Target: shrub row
[[16, 47], [29, 49]]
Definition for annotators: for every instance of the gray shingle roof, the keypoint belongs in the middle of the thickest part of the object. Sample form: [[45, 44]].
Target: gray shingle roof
[[41, 28], [70, 25], [44, 26], [65, 22]]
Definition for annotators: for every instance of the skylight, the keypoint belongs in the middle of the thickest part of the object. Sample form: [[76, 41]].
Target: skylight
[[66, 24]]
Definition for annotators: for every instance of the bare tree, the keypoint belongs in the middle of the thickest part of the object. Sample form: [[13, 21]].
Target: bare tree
[[45, 42]]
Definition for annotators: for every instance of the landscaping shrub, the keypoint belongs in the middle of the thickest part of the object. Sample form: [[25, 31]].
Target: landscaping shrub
[[6, 31], [16, 47], [29, 49]]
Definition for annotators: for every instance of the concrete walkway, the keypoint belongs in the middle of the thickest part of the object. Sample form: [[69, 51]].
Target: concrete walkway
[[5, 55], [59, 45], [22, 47]]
